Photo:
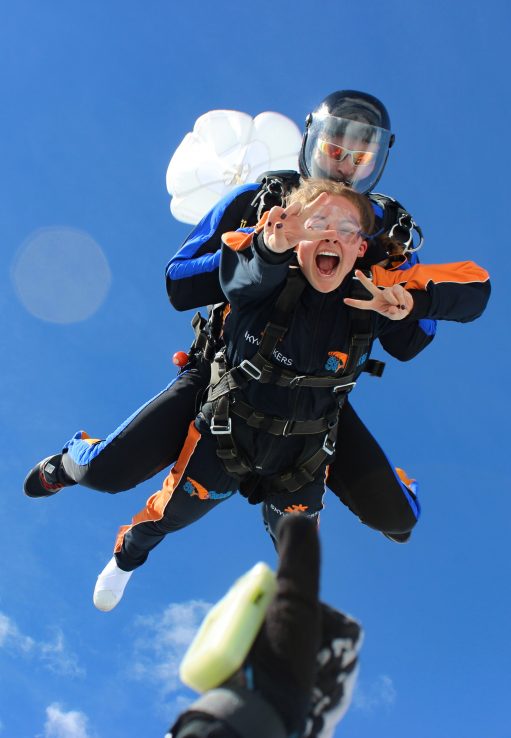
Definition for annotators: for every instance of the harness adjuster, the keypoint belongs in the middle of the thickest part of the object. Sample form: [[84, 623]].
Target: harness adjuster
[[217, 429], [328, 445], [343, 387], [249, 368], [295, 381], [288, 428]]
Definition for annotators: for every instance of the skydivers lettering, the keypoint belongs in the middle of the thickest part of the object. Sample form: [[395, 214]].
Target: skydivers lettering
[[276, 354]]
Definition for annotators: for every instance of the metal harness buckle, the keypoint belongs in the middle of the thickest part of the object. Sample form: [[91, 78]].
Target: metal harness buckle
[[347, 387], [249, 368], [220, 430], [328, 446], [295, 381], [287, 429]]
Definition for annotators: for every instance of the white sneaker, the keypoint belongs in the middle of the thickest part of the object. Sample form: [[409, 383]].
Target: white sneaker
[[110, 586]]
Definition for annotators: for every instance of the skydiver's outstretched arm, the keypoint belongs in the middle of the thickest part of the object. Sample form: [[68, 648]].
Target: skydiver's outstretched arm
[[299, 673], [409, 338], [458, 291]]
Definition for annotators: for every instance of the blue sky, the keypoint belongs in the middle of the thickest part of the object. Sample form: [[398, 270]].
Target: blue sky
[[95, 98]]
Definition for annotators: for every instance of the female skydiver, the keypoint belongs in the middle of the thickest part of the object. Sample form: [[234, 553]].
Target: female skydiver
[[268, 425]]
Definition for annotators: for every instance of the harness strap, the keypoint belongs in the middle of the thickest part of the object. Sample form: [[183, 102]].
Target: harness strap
[[237, 465], [265, 373], [219, 376], [275, 186], [227, 451], [279, 426], [361, 331], [276, 329], [295, 479], [207, 332]]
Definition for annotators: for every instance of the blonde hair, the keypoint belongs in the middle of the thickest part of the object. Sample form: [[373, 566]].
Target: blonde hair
[[309, 189]]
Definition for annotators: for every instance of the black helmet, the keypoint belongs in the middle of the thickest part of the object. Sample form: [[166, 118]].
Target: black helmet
[[347, 138]]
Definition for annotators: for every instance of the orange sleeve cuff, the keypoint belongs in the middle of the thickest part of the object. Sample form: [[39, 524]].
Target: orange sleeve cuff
[[419, 276], [238, 240]]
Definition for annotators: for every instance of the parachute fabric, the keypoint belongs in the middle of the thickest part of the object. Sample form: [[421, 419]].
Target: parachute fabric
[[227, 148]]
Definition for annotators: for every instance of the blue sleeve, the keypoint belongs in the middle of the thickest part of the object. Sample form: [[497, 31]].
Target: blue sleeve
[[192, 274]]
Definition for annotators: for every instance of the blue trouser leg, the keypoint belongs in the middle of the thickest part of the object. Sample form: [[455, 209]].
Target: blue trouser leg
[[144, 444], [195, 485]]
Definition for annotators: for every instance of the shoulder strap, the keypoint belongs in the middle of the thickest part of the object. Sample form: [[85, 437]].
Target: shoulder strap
[[275, 186], [286, 302], [361, 331]]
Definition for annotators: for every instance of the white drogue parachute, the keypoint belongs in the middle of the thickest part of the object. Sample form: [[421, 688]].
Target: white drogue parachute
[[227, 148]]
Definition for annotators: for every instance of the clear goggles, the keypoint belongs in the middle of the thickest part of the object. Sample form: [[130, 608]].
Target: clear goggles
[[338, 220], [346, 151]]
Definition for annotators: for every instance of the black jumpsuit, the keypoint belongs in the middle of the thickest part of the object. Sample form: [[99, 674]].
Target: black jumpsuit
[[151, 439]]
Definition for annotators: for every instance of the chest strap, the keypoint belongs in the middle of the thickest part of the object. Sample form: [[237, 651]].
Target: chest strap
[[279, 426]]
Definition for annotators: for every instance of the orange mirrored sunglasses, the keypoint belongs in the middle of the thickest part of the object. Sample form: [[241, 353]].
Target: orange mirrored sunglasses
[[334, 151]]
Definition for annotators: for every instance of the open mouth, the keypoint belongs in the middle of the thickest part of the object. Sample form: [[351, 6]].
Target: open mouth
[[327, 262]]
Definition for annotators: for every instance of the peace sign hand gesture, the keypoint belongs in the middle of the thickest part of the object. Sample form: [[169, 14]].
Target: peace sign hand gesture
[[394, 303]]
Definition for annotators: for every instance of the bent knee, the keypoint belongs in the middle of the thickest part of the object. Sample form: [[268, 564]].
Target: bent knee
[[93, 478]]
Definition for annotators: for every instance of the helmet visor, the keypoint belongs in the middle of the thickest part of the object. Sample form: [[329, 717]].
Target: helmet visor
[[346, 151]]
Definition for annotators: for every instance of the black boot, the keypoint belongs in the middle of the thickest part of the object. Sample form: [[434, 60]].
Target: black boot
[[398, 537], [46, 478]]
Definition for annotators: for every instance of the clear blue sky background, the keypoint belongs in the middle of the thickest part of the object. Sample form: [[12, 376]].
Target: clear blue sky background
[[95, 97]]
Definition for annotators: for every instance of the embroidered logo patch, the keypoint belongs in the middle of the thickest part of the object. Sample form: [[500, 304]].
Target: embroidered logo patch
[[194, 489], [336, 361], [296, 508]]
